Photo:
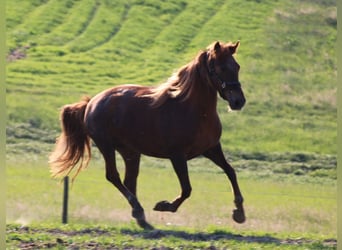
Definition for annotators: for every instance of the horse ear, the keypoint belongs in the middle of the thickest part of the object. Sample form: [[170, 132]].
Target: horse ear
[[233, 48], [217, 47]]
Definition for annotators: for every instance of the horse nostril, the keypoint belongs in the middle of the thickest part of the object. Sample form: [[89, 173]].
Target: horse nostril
[[242, 101], [238, 104]]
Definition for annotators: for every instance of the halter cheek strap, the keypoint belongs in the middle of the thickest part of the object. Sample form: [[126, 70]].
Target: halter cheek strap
[[225, 84], [222, 83]]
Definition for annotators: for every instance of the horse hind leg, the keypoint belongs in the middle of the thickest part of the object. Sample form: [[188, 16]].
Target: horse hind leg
[[113, 176], [132, 162]]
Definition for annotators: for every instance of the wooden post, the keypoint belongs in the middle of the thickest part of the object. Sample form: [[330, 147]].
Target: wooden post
[[65, 200]]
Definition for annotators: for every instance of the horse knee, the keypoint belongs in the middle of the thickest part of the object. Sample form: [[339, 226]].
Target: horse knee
[[231, 173]]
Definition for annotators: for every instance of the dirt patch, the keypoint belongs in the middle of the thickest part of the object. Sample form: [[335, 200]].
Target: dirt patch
[[17, 54]]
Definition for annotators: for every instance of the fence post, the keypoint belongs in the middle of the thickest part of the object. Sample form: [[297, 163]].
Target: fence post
[[65, 200]]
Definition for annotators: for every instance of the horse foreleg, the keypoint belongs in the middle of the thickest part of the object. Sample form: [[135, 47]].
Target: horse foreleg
[[181, 168], [216, 155], [112, 175]]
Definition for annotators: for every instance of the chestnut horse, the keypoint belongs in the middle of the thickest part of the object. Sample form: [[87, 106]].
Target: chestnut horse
[[177, 120]]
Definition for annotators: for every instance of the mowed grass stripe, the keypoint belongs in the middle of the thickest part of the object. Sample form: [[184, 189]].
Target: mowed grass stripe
[[186, 25], [103, 25], [130, 41], [157, 43], [42, 19], [16, 13], [74, 24], [226, 25]]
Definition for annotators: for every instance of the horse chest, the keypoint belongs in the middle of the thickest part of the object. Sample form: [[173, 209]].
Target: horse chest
[[207, 135]]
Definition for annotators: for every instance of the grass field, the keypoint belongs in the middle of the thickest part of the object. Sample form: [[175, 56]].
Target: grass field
[[282, 144], [295, 212]]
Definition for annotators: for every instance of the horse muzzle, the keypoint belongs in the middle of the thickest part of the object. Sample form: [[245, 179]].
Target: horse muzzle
[[235, 99]]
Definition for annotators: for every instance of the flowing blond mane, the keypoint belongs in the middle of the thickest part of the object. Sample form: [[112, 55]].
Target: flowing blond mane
[[189, 77], [182, 83]]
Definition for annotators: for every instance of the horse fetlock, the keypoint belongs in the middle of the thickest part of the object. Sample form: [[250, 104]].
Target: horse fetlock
[[238, 201], [138, 213], [145, 225]]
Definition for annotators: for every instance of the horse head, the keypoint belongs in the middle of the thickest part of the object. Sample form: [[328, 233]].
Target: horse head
[[224, 73]]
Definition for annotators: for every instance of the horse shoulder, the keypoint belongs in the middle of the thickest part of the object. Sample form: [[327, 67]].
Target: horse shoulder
[[208, 133]]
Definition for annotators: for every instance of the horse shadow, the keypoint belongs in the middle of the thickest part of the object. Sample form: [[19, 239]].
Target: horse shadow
[[201, 236]]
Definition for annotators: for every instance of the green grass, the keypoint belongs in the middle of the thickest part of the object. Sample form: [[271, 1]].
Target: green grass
[[297, 197], [278, 208], [129, 237]]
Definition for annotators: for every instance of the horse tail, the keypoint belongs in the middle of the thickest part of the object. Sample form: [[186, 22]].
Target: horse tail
[[73, 145]]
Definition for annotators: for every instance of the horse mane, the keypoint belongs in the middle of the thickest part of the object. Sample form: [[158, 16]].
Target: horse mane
[[182, 83], [190, 77]]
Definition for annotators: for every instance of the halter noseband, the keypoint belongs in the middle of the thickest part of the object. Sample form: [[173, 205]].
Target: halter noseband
[[222, 83]]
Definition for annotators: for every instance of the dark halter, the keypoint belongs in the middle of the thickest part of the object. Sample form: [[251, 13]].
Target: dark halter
[[222, 83]]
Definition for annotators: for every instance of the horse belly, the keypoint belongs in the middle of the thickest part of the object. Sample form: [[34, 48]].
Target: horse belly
[[151, 137]]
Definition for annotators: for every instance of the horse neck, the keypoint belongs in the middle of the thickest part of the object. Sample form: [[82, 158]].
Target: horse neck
[[204, 99]]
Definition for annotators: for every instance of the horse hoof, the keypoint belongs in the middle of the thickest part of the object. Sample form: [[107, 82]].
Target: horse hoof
[[145, 225], [164, 206], [239, 216]]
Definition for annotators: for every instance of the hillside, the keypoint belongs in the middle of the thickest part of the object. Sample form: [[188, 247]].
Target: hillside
[[60, 50]]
